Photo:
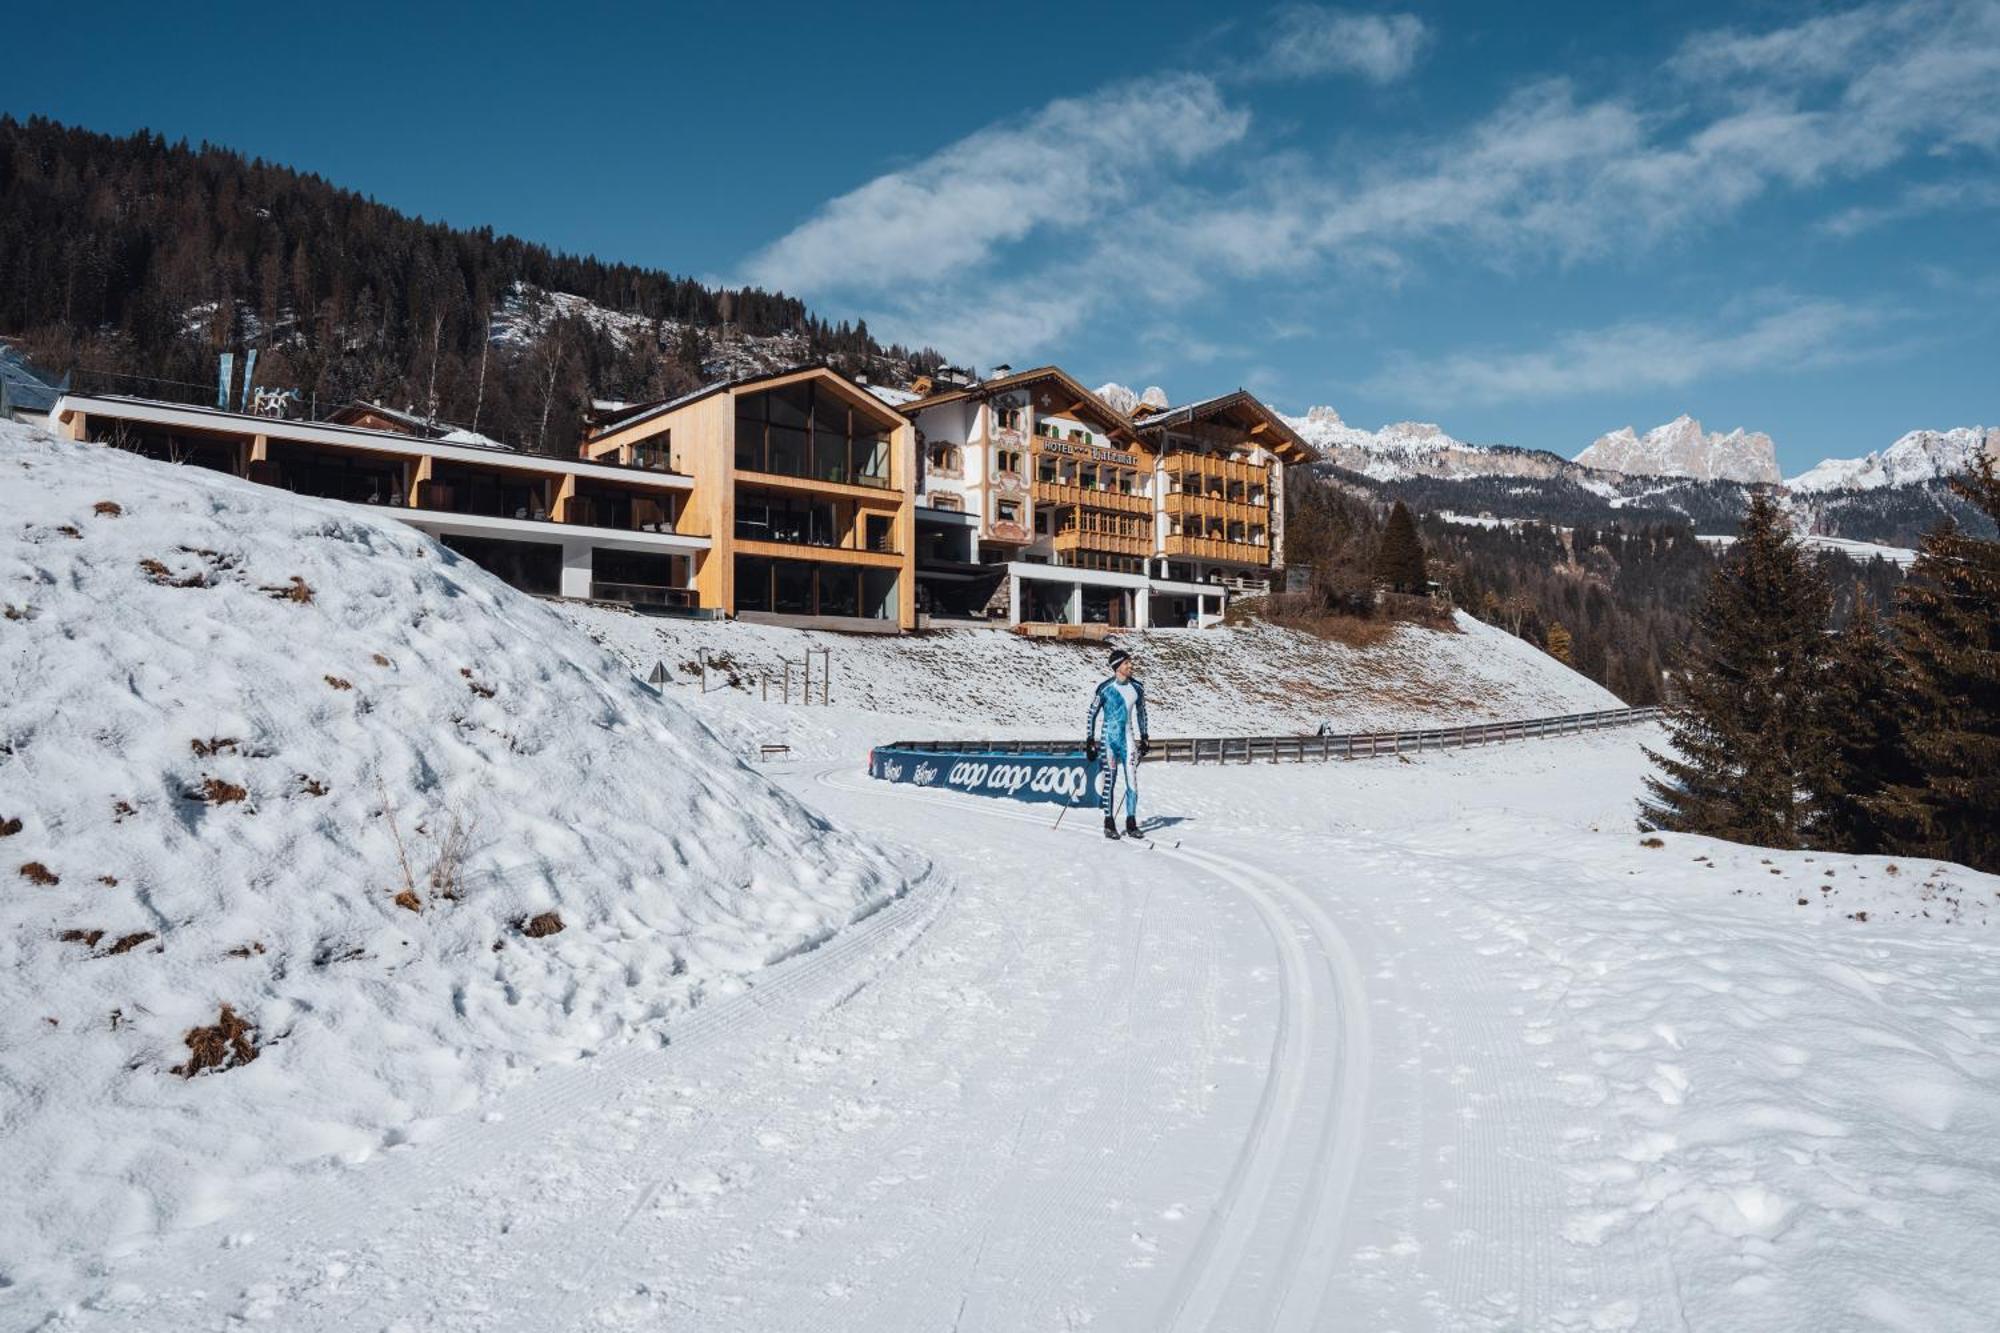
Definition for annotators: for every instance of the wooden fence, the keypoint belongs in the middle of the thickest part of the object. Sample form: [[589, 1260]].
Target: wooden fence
[[1299, 749]]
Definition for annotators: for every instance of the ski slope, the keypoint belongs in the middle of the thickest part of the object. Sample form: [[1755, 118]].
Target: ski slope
[[1326, 1063]]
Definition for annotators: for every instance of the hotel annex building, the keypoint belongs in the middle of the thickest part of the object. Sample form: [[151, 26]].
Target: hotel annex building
[[802, 497]]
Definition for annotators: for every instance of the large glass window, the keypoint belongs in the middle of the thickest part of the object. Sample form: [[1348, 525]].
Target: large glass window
[[753, 583], [800, 430], [784, 518], [793, 588], [839, 591]]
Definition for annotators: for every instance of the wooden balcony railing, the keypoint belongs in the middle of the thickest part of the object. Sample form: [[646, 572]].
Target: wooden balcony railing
[[1211, 548], [1108, 543], [1090, 497], [1208, 465], [1187, 503]]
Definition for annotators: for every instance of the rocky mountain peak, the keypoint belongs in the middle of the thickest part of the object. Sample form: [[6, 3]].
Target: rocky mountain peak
[[1681, 448]]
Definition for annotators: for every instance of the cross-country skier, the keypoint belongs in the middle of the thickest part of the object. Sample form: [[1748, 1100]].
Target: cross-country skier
[[1122, 701]]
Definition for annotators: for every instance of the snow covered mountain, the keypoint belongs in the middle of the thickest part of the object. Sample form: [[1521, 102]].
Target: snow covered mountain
[[1127, 400], [1682, 449], [1419, 449], [1918, 457]]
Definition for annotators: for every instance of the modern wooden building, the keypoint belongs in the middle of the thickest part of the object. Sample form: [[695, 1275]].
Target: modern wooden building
[[556, 526], [804, 484]]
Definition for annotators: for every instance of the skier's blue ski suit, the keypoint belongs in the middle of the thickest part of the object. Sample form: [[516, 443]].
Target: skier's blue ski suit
[[1123, 706]]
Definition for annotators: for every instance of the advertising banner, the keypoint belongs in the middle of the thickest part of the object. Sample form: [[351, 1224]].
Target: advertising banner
[[1053, 779]]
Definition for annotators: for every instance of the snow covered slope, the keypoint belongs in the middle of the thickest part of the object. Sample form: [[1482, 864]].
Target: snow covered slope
[[1918, 457], [1257, 679], [228, 717], [1682, 449]]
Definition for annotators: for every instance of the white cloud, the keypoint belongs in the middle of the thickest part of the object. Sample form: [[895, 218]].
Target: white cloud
[[1773, 334], [1139, 199], [1966, 196], [1059, 170], [1310, 40]]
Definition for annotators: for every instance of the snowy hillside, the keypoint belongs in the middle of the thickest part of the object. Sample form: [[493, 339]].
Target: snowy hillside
[[1681, 448], [394, 834], [1918, 457], [1257, 679]]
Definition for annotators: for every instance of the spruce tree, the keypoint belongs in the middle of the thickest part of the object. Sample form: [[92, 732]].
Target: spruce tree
[[1399, 562], [1863, 709], [1947, 658], [1749, 735]]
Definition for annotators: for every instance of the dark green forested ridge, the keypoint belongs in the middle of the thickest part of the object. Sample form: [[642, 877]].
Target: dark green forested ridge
[[136, 261]]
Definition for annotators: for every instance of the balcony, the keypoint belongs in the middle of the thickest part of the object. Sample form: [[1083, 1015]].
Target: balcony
[[1216, 548], [1186, 504], [1090, 497], [1225, 469], [1107, 543]]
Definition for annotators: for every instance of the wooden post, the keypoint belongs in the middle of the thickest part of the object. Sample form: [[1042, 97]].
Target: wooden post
[[704, 673], [788, 680], [807, 698]]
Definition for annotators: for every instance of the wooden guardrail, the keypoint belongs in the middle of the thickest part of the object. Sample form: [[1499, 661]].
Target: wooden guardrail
[[1299, 749]]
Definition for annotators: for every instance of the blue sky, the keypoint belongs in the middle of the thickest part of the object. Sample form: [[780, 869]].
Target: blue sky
[[1529, 225]]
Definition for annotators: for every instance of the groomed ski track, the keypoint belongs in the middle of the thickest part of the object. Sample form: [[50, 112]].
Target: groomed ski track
[[1062, 1082]]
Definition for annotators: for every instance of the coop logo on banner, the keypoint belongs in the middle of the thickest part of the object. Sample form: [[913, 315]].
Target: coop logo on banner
[[1056, 779]]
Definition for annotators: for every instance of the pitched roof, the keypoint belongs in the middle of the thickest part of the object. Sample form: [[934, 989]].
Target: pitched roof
[[1117, 421], [1287, 443], [642, 412]]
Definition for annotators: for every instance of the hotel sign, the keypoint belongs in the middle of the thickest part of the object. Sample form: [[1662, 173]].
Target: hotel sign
[[1095, 453]]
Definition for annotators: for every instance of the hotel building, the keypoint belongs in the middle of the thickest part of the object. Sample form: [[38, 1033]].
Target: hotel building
[[1040, 504]]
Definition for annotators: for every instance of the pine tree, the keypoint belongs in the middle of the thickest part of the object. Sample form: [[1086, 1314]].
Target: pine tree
[[1561, 644], [1862, 706], [1947, 658], [1399, 562], [1749, 735]]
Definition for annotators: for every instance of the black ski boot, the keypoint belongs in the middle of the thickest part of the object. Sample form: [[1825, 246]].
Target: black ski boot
[[1111, 828], [1131, 827]]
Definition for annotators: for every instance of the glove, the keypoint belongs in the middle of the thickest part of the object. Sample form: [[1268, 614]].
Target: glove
[[1145, 747], [1090, 751]]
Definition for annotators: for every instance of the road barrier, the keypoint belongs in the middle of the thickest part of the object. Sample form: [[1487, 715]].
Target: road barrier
[[1300, 749]]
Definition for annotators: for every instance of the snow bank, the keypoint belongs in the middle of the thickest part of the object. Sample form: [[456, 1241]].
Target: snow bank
[[222, 708]]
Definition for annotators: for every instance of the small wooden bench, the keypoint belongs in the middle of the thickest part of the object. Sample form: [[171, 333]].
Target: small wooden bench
[[774, 751]]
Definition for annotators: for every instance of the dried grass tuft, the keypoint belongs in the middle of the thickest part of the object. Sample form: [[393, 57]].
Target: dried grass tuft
[[339, 684], [127, 943], [107, 509], [546, 923], [229, 1042], [208, 748], [217, 792], [9, 827], [87, 938], [37, 873], [298, 590]]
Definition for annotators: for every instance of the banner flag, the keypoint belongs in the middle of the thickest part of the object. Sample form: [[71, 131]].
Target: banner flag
[[1052, 779], [222, 380]]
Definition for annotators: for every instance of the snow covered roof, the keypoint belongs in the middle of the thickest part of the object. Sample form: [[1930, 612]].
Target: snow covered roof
[[412, 423], [21, 388]]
